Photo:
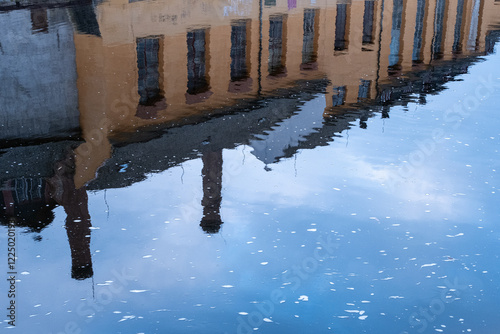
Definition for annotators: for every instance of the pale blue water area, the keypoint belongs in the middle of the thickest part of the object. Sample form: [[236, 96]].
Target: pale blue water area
[[388, 227]]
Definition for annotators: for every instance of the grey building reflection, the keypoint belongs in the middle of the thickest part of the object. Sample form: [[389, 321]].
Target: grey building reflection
[[212, 191]]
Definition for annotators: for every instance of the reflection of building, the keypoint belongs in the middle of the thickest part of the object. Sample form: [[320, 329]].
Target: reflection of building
[[29, 201], [172, 61], [166, 66], [38, 75]]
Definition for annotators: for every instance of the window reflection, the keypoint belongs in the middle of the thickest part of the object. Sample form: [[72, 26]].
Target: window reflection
[[151, 98], [439, 30], [341, 27], [198, 82], [240, 57], [310, 39], [457, 36], [368, 22], [277, 40], [419, 31]]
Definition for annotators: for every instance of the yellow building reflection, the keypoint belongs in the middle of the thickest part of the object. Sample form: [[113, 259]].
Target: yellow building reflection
[[165, 63]]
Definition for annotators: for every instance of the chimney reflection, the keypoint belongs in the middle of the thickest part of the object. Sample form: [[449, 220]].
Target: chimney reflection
[[212, 191]]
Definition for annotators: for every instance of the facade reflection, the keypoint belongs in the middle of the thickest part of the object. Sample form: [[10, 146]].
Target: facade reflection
[[144, 91]]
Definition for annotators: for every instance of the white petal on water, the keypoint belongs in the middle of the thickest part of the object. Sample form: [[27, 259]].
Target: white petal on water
[[264, 263], [267, 320], [147, 256], [138, 291], [304, 298], [428, 265], [363, 317], [228, 286], [25, 273], [243, 313], [395, 297]]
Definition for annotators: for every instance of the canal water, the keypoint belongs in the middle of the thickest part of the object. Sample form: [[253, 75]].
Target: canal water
[[250, 166]]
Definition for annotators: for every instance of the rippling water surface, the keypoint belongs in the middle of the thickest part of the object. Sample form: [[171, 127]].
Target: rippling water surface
[[249, 166]]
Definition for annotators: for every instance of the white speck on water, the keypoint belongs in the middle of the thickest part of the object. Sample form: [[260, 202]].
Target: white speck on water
[[138, 291], [267, 320], [243, 313], [147, 256], [228, 286], [264, 263], [25, 273], [304, 298], [428, 265], [395, 297], [311, 230], [363, 317]]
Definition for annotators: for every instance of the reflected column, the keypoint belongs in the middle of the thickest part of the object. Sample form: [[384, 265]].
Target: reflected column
[[212, 191]]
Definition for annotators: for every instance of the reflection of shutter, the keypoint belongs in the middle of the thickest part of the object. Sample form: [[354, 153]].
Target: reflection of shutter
[[275, 62], [148, 68], [368, 21], [239, 69], [457, 44], [397, 21], [308, 54], [196, 66], [438, 29], [340, 27], [419, 29]]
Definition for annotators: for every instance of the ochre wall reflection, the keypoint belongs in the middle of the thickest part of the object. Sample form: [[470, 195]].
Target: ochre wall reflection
[[162, 62]]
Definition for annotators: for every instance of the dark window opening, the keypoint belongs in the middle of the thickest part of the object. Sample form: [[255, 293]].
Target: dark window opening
[[310, 40], [277, 40], [368, 23], [341, 27], [151, 98]]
